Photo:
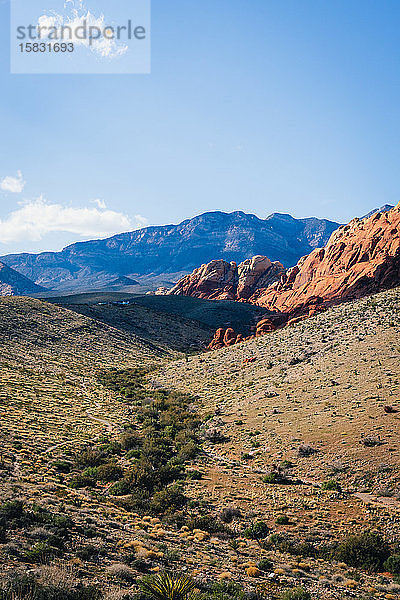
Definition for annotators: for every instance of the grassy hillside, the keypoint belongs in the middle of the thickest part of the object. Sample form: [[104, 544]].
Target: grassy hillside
[[156, 326], [246, 467], [214, 314], [179, 322]]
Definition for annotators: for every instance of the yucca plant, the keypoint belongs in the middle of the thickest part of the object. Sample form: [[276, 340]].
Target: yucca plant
[[168, 587]]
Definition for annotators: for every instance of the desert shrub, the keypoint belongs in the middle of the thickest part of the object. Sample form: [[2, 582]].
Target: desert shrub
[[331, 486], [370, 441], [62, 466], [258, 530], [282, 520], [88, 553], [367, 551], [277, 477], [306, 450], [210, 524], [130, 439], [287, 464], [120, 488], [223, 590], [214, 435], [229, 513], [296, 594], [90, 458], [265, 565], [82, 480], [188, 451], [121, 572], [20, 586], [169, 499], [392, 564], [11, 510], [141, 565], [296, 548], [41, 552], [109, 472]]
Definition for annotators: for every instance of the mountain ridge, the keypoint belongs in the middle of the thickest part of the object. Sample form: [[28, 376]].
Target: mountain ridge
[[171, 249]]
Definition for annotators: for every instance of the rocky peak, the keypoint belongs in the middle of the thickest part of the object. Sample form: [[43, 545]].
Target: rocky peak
[[222, 280]]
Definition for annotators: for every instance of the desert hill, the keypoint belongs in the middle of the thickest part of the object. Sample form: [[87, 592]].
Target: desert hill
[[178, 322], [306, 404]]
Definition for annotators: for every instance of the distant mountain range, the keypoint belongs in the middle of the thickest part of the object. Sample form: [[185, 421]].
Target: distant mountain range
[[173, 250], [14, 284]]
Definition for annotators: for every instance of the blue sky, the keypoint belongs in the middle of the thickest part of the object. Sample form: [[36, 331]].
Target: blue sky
[[262, 106]]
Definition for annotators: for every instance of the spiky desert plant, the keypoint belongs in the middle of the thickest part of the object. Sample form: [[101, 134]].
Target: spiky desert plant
[[168, 587]]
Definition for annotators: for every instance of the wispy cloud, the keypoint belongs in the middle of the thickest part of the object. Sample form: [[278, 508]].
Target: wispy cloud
[[36, 218], [14, 185]]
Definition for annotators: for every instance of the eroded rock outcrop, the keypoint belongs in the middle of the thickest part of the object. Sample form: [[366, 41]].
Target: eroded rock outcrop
[[220, 280], [360, 258], [228, 337]]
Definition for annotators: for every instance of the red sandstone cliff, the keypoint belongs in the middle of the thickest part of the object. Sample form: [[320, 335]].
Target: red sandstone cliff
[[360, 258], [220, 280]]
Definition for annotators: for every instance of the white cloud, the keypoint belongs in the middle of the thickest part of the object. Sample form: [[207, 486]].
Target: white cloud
[[99, 203], [78, 18], [15, 185], [36, 218]]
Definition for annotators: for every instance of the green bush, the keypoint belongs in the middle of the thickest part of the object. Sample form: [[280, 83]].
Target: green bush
[[109, 472], [224, 590], [41, 553], [62, 466], [169, 499], [367, 551], [211, 524], [194, 475], [90, 458], [393, 564], [82, 480], [282, 520], [120, 488], [17, 586], [265, 565], [276, 478], [11, 510], [259, 530], [331, 486]]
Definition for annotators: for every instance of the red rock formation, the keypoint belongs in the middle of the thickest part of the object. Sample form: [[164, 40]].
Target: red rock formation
[[220, 280], [360, 258]]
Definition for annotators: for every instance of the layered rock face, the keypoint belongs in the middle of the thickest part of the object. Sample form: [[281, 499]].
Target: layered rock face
[[360, 258], [220, 280]]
